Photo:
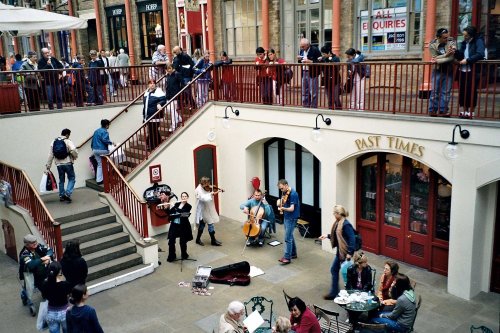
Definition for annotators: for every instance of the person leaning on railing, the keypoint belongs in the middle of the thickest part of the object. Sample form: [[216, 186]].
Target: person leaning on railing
[[99, 145], [31, 81], [471, 51]]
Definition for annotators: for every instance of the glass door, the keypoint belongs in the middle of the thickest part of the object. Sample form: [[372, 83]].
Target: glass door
[[309, 22], [393, 225]]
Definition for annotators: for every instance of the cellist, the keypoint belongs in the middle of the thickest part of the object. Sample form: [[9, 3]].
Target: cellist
[[258, 210]]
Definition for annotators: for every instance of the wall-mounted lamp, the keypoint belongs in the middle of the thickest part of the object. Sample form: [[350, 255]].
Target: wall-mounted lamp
[[452, 149], [316, 133], [225, 120]]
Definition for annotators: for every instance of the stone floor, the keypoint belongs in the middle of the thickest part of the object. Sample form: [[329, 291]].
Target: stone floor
[[156, 303]]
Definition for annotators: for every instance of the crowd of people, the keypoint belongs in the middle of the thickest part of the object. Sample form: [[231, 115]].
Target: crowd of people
[[62, 285], [60, 79]]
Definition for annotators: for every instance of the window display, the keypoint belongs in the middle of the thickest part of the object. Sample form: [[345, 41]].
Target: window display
[[369, 188], [393, 188]]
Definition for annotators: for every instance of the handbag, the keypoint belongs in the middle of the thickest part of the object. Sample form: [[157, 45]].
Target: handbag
[[41, 323], [343, 269], [51, 184], [348, 85], [43, 183]]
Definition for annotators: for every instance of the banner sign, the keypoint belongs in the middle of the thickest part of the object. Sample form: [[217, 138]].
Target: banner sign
[[387, 27]]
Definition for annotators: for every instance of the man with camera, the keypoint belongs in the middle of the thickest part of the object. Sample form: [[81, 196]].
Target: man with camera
[[51, 77]]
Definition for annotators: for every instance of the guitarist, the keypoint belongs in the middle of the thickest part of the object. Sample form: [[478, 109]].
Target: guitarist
[[251, 208], [289, 205]]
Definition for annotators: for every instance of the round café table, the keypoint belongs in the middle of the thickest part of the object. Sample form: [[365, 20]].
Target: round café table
[[355, 309]]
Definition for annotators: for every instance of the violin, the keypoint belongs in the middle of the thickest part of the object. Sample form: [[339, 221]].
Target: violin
[[284, 199], [213, 188]]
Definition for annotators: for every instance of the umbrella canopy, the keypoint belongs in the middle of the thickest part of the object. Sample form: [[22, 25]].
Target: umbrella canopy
[[23, 21]]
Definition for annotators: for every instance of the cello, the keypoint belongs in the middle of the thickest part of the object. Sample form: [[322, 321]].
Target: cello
[[251, 228]]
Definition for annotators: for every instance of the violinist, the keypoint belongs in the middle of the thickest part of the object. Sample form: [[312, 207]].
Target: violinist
[[289, 206], [180, 227], [205, 210], [251, 208]]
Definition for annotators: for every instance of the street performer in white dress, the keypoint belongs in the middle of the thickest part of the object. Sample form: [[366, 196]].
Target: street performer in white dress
[[205, 210]]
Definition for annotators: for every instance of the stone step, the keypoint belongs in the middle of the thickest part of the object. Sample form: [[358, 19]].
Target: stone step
[[94, 233], [104, 243], [92, 183], [87, 223], [105, 255], [113, 266], [116, 275], [83, 214]]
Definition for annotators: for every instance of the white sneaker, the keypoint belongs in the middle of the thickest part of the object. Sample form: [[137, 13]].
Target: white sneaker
[[249, 243], [115, 94]]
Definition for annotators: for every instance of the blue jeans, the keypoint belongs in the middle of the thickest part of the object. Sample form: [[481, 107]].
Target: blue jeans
[[290, 248], [66, 169], [392, 325], [98, 158], [56, 320], [309, 90], [441, 82], [335, 270], [51, 89]]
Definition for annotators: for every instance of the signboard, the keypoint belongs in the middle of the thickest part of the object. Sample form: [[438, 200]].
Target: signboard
[[192, 5], [387, 27], [155, 173], [149, 6], [115, 11]]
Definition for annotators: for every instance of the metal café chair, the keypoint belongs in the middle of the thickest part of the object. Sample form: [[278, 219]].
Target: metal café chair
[[326, 318], [481, 329], [265, 308]]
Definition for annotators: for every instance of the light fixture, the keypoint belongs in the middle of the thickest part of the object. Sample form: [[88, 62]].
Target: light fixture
[[452, 149], [316, 133], [225, 120]]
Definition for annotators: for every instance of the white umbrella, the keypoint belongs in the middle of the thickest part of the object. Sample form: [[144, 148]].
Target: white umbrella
[[23, 21]]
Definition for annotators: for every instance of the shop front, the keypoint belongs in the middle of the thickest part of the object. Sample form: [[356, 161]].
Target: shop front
[[403, 210], [192, 24], [117, 27], [150, 27]]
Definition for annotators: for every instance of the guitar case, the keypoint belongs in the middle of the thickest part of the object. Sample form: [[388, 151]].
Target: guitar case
[[236, 274]]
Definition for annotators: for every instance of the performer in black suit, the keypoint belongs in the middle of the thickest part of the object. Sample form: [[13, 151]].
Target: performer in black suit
[[180, 227]]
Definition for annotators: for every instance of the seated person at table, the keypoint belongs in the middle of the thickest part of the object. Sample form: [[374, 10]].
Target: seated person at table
[[401, 318], [359, 275], [232, 320], [302, 318], [254, 208], [283, 325], [391, 268]]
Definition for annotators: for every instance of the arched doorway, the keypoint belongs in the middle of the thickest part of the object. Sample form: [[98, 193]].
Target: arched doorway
[[287, 159], [205, 165], [403, 210], [10, 239]]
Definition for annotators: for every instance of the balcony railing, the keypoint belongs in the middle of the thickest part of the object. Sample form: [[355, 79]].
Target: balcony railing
[[397, 88], [25, 195], [28, 91]]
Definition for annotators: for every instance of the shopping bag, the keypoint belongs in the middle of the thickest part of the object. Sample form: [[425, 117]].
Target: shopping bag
[[43, 183], [343, 269], [119, 155], [51, 184], [41, 324]]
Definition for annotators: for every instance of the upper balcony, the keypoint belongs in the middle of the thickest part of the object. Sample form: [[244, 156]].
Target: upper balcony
[[391, 88]]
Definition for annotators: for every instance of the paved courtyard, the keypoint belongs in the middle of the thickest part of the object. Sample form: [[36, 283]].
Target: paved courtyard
[[156, 303]]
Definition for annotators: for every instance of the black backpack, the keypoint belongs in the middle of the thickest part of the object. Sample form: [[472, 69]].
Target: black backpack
[[358, 242], [59, 149]]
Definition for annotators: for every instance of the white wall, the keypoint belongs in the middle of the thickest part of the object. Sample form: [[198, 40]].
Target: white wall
[[26, 138]]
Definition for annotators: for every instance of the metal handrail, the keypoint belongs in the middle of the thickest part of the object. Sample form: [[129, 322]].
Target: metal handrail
[[26, 196]]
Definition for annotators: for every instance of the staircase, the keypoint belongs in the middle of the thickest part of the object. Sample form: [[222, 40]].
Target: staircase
[[103, 243]]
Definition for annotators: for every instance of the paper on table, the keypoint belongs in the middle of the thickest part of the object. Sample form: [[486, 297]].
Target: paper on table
[[253, 321], [255, 271]]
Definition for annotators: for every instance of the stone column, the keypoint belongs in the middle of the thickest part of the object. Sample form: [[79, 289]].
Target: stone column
[[265, 24], [336, 27], [73, 32], [98, 25], [130, 38], [211, 39], [166, 29]]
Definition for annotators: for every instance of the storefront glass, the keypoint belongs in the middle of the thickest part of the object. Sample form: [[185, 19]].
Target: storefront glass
[[443, 207], [242, 24], [117, 27], [419, 197], [393, 189], [150, 27], [386, 25], [369, 188]]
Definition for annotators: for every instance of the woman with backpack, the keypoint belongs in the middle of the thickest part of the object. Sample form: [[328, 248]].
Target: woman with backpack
[[342, 237]]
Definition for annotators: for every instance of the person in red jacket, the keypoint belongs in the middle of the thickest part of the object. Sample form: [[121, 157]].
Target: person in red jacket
[[302, 318]]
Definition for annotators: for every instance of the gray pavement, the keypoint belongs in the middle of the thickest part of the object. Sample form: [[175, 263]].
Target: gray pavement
[[156, 303]]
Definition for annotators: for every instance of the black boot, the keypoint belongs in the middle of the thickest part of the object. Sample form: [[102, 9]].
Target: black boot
[[171, 253], [184, 254], [215, 242], [198, 240]]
